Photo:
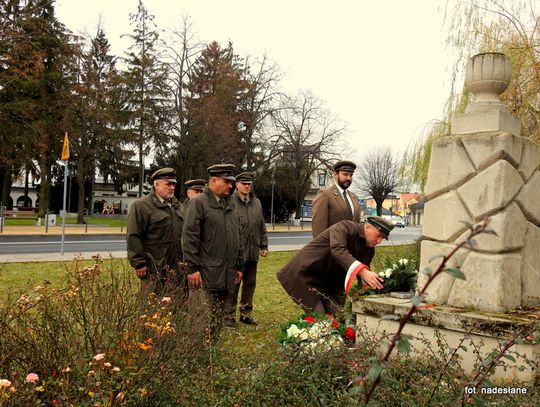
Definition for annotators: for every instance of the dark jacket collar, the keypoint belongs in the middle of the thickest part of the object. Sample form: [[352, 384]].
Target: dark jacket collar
[[175, 203], [211, 198], [251, 196]]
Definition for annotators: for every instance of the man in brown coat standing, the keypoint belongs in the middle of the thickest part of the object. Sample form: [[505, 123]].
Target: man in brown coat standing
[[255, 240], [336, 203], [318, 277], [154, 234], [211, 241]]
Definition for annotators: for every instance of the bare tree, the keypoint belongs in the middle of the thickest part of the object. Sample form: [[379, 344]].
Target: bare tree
[[183, 50], [307, 137], [379, 175], [256, 107]]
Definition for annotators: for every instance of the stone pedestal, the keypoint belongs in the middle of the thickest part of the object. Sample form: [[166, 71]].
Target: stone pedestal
[[486, 330], [484, 169]]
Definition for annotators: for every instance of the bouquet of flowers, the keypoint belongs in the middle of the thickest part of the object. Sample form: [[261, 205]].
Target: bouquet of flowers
[[398, 276], [316, 332]]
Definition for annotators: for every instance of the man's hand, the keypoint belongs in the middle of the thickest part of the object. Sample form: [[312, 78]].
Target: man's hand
[[194, 280], [371, 278], [142, 272], [264, 252], [238, 277]]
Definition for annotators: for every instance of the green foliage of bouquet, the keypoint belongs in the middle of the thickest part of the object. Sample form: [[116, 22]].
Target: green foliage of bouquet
[[399, 275], [314, 331]]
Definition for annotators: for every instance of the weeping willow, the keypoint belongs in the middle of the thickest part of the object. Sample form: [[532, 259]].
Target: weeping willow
[[511, 27]]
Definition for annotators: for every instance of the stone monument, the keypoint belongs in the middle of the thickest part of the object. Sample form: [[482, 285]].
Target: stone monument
[[484, 168]]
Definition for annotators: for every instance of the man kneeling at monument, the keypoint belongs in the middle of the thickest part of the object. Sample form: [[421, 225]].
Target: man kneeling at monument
[[318, 276]]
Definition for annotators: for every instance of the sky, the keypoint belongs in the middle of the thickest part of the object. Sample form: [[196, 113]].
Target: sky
[[381, 66]]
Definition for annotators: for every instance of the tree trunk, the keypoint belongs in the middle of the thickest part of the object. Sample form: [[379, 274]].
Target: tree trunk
[[91, 191], [141, 166], [25, 202], [45, 186], [6, 187]]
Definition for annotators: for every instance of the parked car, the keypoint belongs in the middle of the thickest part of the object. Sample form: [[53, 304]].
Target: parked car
[[399, 223]]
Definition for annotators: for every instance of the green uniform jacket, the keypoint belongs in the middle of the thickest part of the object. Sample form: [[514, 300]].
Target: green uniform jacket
[[211, 241], [252, 225], [154, 231]]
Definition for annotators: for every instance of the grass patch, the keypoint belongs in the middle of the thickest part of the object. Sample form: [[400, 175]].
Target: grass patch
[[18, 277], [98, 221], [271, 305], [19, 222]]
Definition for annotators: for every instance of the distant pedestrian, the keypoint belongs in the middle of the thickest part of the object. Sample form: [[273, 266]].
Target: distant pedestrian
[[336, 203], [154, 235], [255, 240], [211, 241], [318, 276]]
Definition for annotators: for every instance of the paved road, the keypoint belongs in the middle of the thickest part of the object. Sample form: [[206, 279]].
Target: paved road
[[35, 245], [111, 243]]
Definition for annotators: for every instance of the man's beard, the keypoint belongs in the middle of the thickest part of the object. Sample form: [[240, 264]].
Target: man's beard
[[345, 184]]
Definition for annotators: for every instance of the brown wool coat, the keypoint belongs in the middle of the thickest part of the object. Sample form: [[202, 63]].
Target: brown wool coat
[[154, 231], [323, 263], [329, 208]]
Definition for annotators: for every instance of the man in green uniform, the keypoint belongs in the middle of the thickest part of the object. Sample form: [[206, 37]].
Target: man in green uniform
[[211, 241], [194, 187], [154, 235], [255, 240]]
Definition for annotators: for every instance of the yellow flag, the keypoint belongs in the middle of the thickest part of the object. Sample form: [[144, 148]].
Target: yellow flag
[[65, 148]]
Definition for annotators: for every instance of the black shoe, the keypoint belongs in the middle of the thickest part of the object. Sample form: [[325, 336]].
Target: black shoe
[[231, 323], [246, 319]]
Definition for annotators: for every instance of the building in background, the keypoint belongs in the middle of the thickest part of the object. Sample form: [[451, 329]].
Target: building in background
[[395, 205]]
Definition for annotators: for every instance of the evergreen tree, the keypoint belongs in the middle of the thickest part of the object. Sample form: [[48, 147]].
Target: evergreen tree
[[213, 117], [146, 91], [93, 117], [36, 55]]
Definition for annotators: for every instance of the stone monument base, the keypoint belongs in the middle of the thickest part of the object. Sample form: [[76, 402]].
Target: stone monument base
[[487, 331]]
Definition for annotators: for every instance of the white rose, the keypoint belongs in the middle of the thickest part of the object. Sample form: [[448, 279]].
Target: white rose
[[303, 335], [293, 331]]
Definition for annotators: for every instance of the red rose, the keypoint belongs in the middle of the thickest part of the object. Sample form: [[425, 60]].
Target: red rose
[[334, 324], [349, 334], [309, 319]]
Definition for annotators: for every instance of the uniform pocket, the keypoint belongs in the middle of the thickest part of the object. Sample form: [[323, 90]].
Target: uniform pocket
[[158, 217]]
